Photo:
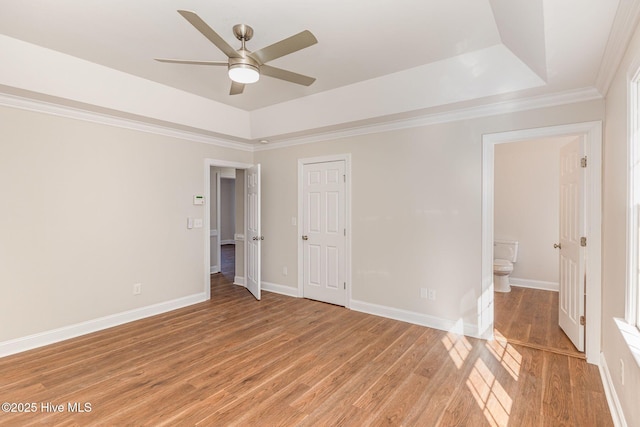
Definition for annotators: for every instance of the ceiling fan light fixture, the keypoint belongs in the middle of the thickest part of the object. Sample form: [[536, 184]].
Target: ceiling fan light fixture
[[244, 73]]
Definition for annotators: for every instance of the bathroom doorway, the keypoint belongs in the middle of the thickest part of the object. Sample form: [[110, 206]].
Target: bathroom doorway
[[591, 133], [527, 210]]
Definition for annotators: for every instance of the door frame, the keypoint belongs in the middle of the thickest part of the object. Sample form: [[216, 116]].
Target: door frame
[[347, 196], [592, 134], [208, 163]]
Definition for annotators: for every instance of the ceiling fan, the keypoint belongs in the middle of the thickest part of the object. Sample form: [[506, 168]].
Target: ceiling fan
[[245, 67]]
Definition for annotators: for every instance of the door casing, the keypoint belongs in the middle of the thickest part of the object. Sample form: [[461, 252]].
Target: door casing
[[592, 132], [208, 163]]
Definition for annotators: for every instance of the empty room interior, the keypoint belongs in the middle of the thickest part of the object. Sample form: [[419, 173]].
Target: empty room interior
[[320, 213]]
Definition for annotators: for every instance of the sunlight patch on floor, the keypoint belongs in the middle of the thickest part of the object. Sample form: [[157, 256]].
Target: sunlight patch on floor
[[506, 354], [458, 347], [489, 394]]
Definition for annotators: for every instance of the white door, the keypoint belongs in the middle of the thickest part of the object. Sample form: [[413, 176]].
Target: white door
[[324, 232], [572, 251], [253, 236]]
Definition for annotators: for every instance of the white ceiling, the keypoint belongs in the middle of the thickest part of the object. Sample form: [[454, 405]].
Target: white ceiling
[[401, 55]]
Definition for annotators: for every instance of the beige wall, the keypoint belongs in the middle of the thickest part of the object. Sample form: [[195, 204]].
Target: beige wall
[[615, 236], [416, 209], [526, 204], [87, 210], [227, 209]]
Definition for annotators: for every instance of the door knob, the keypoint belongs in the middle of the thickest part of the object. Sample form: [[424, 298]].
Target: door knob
[[305, 237], [557, 246]]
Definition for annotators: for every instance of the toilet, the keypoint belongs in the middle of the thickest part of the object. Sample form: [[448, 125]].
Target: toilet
[[505, 253]]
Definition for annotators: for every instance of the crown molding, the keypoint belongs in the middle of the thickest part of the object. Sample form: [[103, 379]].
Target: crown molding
[[503, 107], [542, 101], [624, 25], [90, 116]]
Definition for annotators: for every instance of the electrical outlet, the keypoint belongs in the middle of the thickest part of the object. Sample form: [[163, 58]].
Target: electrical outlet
[[423, 293], [622, 371], [137, 289], [431, 294], [285, 271]]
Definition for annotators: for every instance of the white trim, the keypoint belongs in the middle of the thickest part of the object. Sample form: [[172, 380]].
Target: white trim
[[109, 120], [227, 242], [238, 280], [615, 408], [208, 163], [624, 25], [631, 336], [421, 319], [592, 132], [218, 243], [214, 269], [67, 332], [279, 289], [503, 107], [535, 284], [633, 180], [347, 170]]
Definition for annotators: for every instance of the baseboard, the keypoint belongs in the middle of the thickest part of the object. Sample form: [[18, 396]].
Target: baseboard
[[214, 269], [280, 289], [610, 391], [228, 242], [29, 342], [534, 284], [271, 287], [421, 319]]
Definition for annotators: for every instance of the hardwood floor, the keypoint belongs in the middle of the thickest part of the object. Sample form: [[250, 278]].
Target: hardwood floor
[[529, 317], [227, 266], [289, 361]]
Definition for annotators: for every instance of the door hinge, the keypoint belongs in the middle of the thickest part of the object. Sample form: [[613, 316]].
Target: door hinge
[[583, 162], [583, 321], [344, 231], [344, 178], [583, 241], [345, 285]]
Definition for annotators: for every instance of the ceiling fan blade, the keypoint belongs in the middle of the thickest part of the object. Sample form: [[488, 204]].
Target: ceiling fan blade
[[289, 76], [284, 47], [208, 32], [236, 88], [189, 61]]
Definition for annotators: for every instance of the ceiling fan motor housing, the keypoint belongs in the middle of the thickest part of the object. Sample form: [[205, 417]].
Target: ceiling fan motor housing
[[244, 69]]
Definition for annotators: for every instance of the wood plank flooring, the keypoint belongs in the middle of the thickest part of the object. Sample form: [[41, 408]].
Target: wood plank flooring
[[235, 361], [529, 317]]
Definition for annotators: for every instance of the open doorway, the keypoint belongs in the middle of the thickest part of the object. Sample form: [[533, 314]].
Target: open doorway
[[225, 247], [527, 211], [226, 219], [591, 134]]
